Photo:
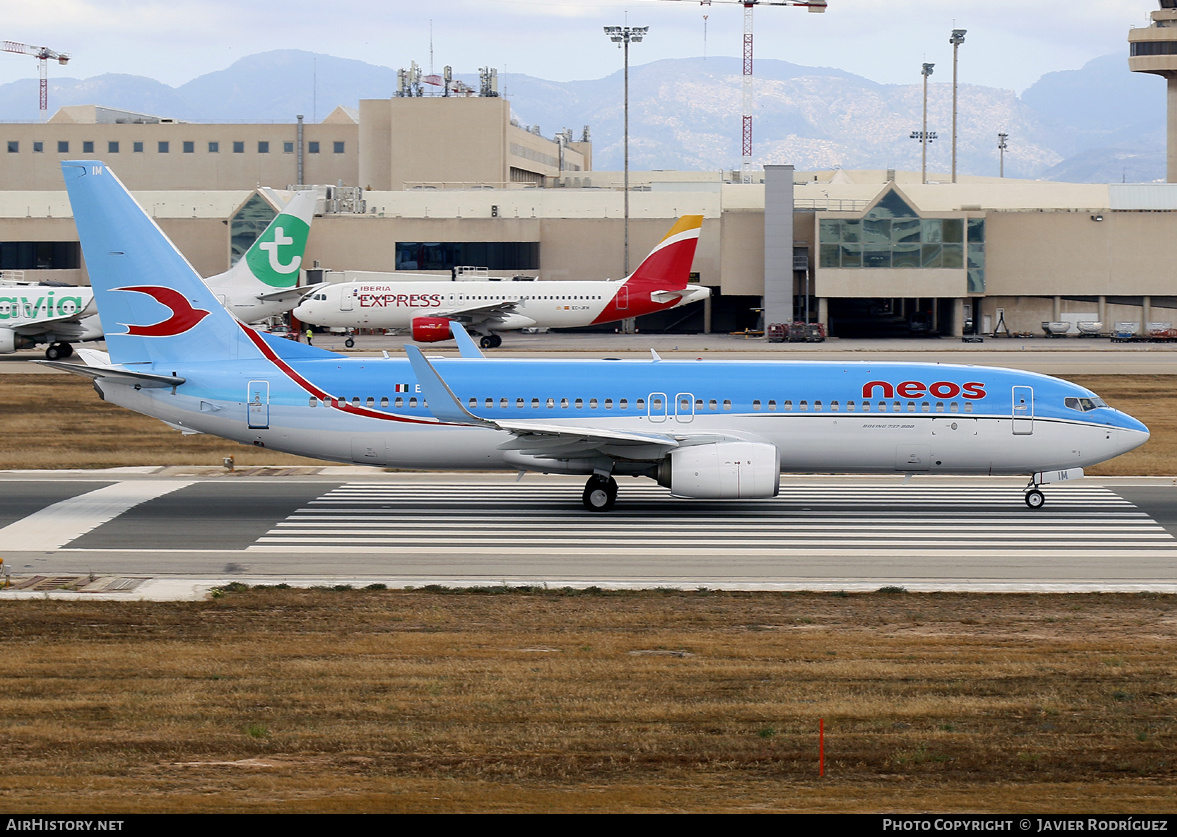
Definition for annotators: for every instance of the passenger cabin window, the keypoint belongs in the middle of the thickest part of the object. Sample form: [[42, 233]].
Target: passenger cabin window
[[756, 405]]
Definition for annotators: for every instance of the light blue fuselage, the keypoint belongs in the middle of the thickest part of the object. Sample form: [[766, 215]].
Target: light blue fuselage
[[825, 417]]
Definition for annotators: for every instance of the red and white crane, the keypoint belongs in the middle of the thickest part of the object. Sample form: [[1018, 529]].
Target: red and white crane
[[44, 54], [813, 6]]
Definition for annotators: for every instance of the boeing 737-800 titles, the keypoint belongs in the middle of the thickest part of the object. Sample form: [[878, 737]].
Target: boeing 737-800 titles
[[426, 308], [262, 284], [705, 429]]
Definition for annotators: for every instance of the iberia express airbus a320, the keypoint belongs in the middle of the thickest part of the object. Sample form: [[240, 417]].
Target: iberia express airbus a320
[[705, 429], [426, 308]]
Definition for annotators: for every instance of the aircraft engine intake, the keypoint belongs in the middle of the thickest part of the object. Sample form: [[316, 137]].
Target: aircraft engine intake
[[722, 471], [431, 329], [7, 341]]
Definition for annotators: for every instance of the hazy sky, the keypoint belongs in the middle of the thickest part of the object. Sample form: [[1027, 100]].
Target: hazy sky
[[1010, 43]]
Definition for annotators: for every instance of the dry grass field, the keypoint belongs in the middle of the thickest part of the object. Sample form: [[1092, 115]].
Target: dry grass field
[[58, 421], [536, 700]]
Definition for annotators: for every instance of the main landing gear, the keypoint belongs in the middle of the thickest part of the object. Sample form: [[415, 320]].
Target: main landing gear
[[600, 493], [490, 341], [57, 351]]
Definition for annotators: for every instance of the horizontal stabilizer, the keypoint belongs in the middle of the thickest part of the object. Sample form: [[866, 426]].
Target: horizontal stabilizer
[[119, 375]]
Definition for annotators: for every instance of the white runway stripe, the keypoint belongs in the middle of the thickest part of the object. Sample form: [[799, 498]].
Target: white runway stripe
[[969, 523]]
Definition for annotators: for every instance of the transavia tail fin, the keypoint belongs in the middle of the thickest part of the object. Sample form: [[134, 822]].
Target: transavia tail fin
[[154, 306], [668, 267], [274, 260]]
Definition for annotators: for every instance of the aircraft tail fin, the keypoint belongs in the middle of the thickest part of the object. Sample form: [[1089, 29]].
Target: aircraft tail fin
[[274, 260], [153, 304], [668, 267]]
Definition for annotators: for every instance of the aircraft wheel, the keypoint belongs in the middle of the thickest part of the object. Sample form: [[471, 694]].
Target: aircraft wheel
[[53, 352], [67, 350], [1035, 499], [350, 342], [495, 341], [600, 494], [487, 342]]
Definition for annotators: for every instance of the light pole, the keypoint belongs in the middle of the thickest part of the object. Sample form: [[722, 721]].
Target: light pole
[[923, 137], [1001, 138], [622, 35], [956, 40]]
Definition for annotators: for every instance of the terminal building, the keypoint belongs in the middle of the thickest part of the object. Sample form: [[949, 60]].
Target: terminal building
[[426, 184]]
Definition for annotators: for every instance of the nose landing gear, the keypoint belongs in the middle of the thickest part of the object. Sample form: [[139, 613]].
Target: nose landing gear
[[1035, 499]]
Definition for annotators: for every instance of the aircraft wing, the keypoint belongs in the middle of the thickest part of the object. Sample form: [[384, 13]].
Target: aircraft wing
[[535, 437], [478, 312], [280, 294]]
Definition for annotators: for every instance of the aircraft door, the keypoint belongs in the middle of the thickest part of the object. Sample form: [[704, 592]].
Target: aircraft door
[[684, 410], [258, 400], [346, 300], [656, 407], [1023, 411], [622, 298]]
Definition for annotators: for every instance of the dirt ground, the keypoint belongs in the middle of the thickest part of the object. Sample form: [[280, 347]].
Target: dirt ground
[[555, 700]]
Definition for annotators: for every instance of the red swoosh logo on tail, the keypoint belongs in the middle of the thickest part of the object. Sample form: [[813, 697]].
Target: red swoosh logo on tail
[[183, 317]]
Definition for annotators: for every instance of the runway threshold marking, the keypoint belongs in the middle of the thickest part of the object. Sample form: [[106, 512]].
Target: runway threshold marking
[[54, 526]]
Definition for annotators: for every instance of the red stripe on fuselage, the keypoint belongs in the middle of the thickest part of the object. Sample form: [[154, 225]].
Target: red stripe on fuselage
[[340, 404]]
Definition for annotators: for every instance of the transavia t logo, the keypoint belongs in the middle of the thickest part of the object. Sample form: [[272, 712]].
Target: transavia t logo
[[276, 257], [183, 317]]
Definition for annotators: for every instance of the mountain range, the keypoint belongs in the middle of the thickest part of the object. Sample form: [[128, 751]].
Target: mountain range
[[1100, 123]]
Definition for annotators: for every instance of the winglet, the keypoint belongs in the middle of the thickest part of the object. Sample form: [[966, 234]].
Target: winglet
[[444, 405], [465, 343]]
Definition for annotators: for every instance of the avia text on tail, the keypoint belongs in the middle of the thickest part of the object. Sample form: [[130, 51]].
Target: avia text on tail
[[704, 429]]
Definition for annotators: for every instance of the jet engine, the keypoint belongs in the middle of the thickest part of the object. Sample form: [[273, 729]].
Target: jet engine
[[431, 329], [722, 471], [7, 341]]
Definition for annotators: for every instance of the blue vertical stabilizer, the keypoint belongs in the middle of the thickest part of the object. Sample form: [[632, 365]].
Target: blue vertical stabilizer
[[154, 306]]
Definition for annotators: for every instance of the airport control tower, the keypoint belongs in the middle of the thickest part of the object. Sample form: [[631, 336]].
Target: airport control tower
[[1153, 49]]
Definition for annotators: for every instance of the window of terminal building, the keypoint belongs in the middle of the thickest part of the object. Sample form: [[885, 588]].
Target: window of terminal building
[[163, 147], [63, 146], [892, 235], [446, 255], [263, 147], [287, 148], [189, 147], [112, 147], [238, 147], [41, 255], [13, 146], [312, 148], [87, 146], [247, 224], [214, 147], [38, 146], [337, 146], [137, 148]]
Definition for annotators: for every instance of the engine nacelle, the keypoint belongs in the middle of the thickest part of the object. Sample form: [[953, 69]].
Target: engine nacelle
[[431, 329], [7, 341], [722, 471]]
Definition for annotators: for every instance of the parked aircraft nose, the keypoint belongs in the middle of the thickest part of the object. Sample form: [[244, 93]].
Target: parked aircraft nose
[[1127, 433]]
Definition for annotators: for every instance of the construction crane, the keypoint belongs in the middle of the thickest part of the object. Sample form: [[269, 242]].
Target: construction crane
[[813, 6], [44, 54]]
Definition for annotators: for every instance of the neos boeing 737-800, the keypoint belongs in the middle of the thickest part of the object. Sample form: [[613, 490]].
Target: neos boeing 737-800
[[262, 284], [427, 308], [705, 429]]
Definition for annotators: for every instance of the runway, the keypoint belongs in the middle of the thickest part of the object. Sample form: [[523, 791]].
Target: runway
[[130, 535]]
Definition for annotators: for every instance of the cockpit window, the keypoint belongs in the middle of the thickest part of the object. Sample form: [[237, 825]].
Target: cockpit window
[[1084, 404]]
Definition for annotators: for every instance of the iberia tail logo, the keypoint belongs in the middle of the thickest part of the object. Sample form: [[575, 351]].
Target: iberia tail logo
[[183, 317]]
